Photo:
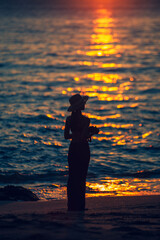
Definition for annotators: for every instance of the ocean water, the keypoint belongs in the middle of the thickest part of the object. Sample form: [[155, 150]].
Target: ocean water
[[106, 51]]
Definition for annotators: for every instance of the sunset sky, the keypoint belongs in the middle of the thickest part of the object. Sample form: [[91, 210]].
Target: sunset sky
[[81, 3]]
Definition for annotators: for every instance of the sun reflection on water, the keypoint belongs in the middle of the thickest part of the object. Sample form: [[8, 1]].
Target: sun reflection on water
[[106, 187], [102, 77], [111, 90], [103, 42], [103, 39], [123, 187], [102, 117]]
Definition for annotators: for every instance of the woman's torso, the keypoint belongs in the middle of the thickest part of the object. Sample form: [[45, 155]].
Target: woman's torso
[[80, 131]]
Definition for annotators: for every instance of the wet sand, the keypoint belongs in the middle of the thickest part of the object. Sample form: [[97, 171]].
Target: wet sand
[[113, 218]]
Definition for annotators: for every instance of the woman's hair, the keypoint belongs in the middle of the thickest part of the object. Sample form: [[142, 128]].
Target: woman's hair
[[75, 120]]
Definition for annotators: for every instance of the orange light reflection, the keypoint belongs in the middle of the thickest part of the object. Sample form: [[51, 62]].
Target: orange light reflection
[[146, 134], [106, 78], [103, 37], [121, 139], [102, 40], [123, 187], [102, 117], [103, 93], [55, 191], [106, 187]]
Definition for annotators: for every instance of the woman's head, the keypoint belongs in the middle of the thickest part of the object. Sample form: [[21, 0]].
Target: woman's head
[[77, 102]]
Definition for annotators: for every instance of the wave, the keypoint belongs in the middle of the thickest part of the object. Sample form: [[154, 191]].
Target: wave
[[141, 174], [61, 176], [150, 91], [39, 118], [4, 64], [19, 178], [52, 54], [75, 65]]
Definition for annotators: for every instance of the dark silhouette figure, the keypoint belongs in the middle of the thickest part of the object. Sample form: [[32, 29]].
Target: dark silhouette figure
[[77, 129]]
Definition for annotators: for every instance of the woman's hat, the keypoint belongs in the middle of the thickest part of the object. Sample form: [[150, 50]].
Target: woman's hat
[[76, 102]]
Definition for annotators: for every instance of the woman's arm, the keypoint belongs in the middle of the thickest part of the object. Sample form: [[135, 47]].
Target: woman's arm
[[84, 133], [67, 134]]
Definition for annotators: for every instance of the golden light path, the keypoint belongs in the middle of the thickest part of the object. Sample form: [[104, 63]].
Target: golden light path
[[107, 187], [103, 44], [107, 87], [102, 40]]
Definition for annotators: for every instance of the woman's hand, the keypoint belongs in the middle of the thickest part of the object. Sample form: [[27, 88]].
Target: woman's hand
[[93, 130]]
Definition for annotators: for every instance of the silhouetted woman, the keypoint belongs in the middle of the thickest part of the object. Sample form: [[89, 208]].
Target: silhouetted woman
[[77, 129]]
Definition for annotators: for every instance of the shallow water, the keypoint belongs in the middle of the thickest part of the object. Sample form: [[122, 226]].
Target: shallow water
[[110, 54]]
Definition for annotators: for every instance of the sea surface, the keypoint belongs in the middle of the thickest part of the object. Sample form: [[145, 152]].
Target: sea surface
[[110, 52]]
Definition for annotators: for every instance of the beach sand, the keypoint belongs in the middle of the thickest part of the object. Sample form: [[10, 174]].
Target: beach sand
[[113, 218]]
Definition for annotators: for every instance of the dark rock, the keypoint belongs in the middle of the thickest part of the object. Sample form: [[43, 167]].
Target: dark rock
[[15, 193]]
